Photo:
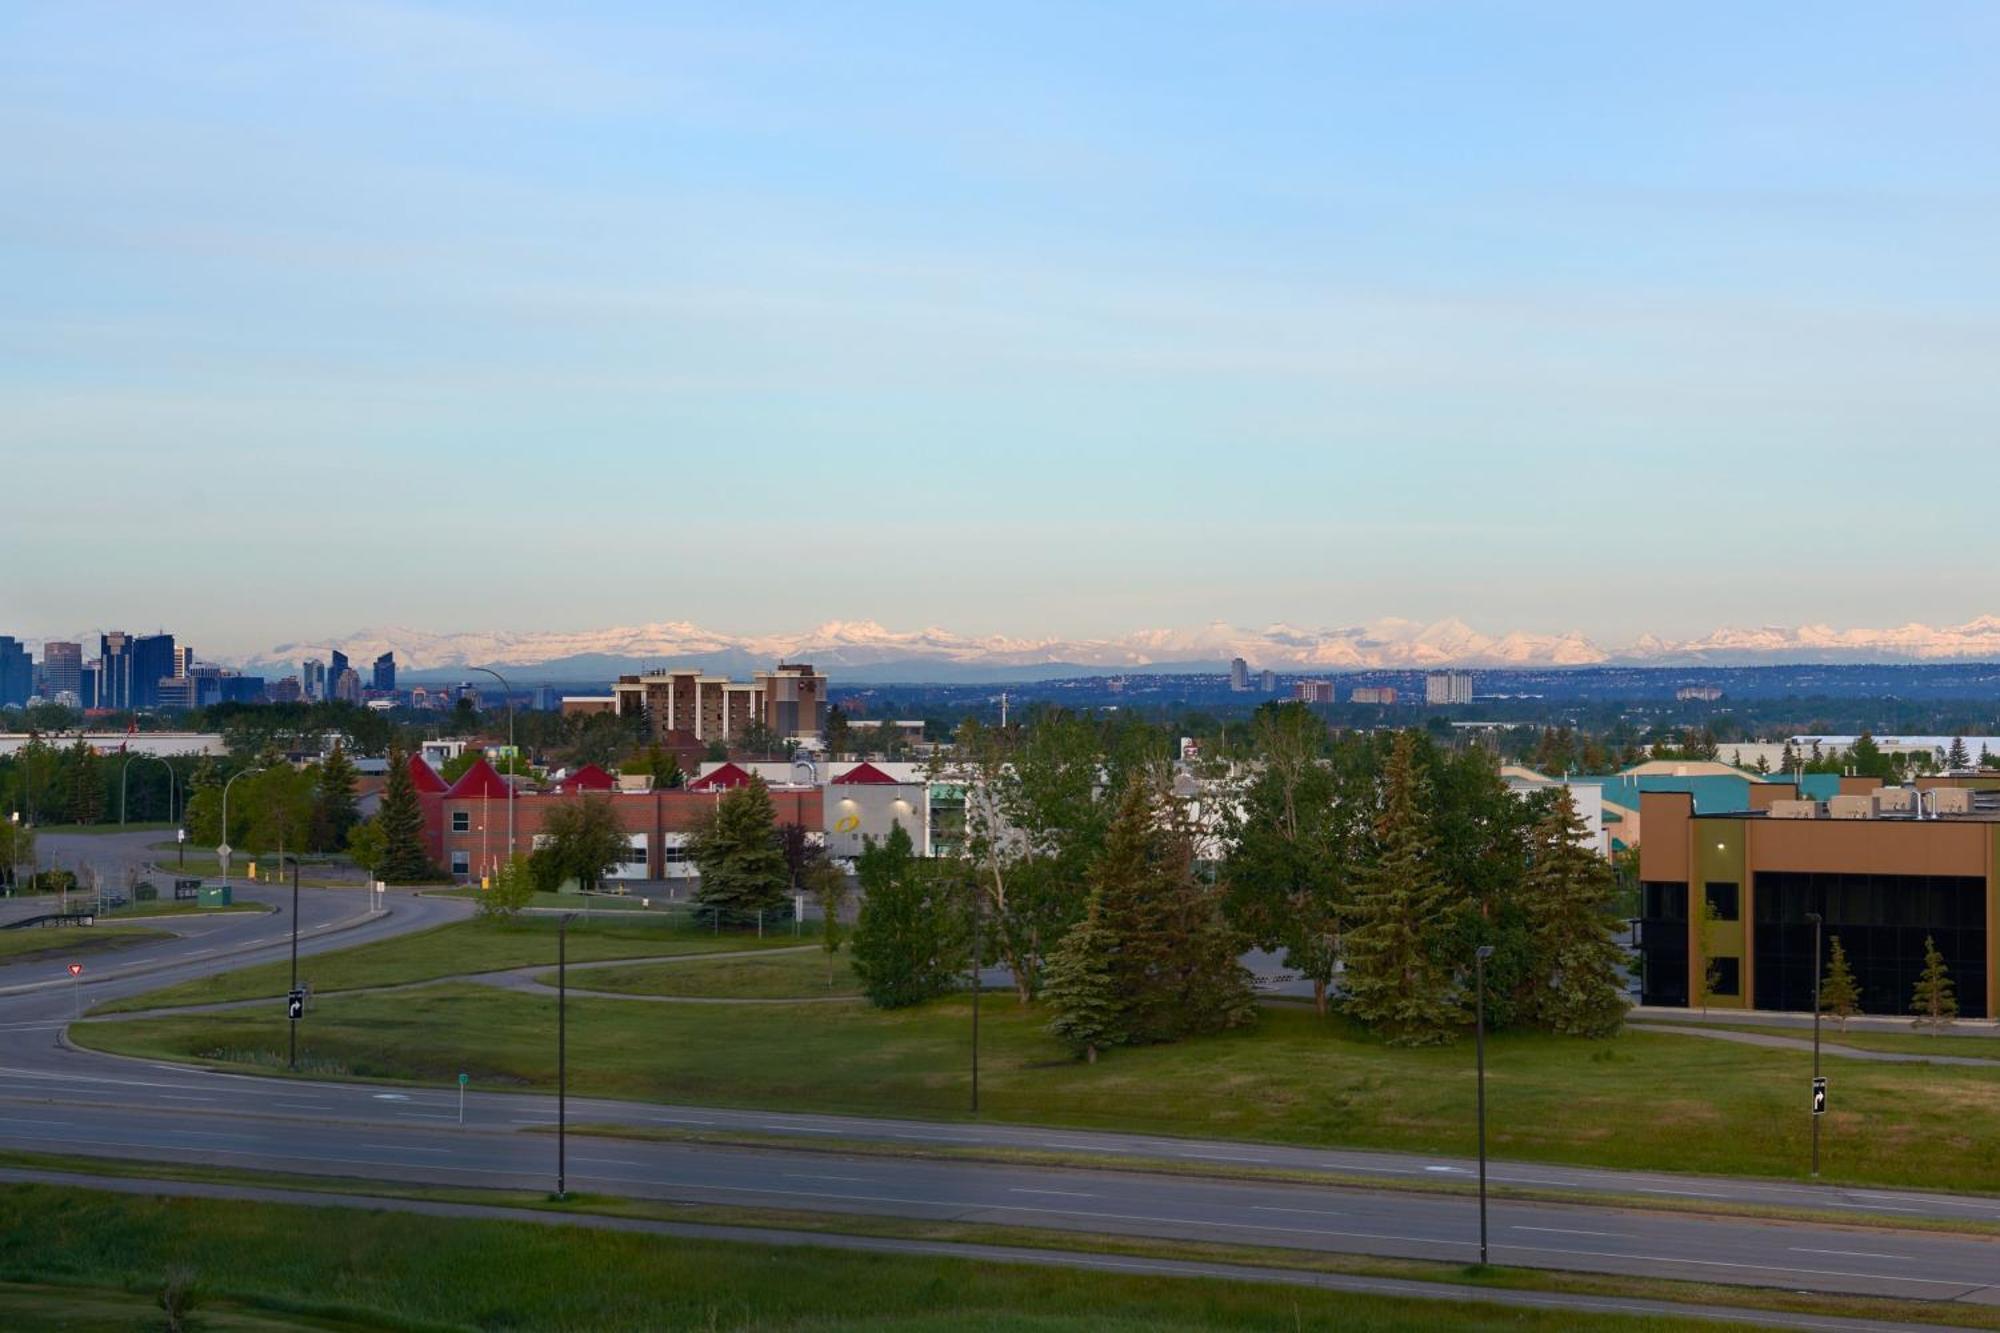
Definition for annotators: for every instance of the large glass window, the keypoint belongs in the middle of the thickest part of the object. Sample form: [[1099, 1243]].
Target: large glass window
[[1724, 901], [1663, 942], [1881, 921]]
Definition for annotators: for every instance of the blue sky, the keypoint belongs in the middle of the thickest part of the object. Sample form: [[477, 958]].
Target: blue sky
[[1046, 318]]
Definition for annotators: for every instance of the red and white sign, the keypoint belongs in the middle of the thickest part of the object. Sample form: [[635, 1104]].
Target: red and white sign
[[76, 969]]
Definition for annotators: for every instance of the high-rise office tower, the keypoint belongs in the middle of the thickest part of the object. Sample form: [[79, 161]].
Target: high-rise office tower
[[62, 668], [345, 687], [114, 671], [336, 663], [385, 672], [312, 680], [1239, 675], [17, 672], [153, 660]]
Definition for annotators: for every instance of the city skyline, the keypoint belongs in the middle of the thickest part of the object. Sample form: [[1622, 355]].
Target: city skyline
[[1054, 323]]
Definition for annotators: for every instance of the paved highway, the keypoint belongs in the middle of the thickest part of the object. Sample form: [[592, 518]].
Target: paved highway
[[59, 1099]]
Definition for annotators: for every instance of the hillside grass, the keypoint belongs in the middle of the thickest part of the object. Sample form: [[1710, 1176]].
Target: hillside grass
[[96, 1257], [477, 945], [1642, 1100]]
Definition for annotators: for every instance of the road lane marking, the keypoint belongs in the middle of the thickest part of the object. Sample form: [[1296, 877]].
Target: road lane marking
[[1223, 1157], [303, 1106], [1310, 1212], [798, 1129], [1572, 1231], [172, 1097], [1850, 1254], [804, 1175], [1080, 1147], [1066, 1194], [1692, 1194]]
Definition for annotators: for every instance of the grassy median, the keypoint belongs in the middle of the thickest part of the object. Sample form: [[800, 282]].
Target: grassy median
[[96, 1257], [792, 975], [35, 943], [463, 946], [1642, 1100]]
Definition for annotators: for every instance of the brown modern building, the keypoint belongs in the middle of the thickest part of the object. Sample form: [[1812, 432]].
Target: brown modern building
[[1885, 868], [790, 701]]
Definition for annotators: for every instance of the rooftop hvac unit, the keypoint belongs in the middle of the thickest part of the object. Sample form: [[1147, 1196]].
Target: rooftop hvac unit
[[1850, 807], [1794, 810]]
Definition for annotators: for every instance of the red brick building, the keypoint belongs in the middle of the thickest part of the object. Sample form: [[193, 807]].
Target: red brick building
[[465, 825]]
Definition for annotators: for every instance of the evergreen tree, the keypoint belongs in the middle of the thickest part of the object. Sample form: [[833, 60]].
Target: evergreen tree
[[742, 866], [401, 823], [907, 944], [1838, 993], [334, 814], [1080, 988], [1789, 761], [1576, 961], [1394, 981], [1957, 759], [1933, 1001]]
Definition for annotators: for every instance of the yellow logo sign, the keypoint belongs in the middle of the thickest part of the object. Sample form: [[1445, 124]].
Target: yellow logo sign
[[847, 824]]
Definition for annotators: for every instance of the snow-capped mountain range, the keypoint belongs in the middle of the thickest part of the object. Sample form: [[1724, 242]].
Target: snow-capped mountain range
[[934, 653]]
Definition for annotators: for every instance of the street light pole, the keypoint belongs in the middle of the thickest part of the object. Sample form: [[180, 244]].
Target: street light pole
[[1818, 924], [292, 1060], [225, 821], [511, 758], [562, 1053], [975, 995], [1479, 957]]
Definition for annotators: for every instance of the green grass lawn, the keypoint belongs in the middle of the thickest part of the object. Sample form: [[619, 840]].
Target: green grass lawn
[[1642, 1100], [477, 945], [175, 907], [781, 976], [36, 942], [92, 1253], [93, 830]]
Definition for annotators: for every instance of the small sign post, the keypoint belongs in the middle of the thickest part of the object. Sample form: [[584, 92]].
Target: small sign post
[[75, 994], [463, 1079], [295, 1004], [1819, 1095]]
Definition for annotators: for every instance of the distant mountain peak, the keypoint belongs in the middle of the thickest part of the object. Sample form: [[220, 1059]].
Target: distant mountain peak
[[1388, 643]]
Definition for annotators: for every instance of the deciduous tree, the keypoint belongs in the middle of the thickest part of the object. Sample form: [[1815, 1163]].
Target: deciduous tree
[[908, 943], [585, 839]]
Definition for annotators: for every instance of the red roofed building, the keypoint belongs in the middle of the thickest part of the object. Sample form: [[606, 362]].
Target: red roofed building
[[867, 775], [465, 829], [480, 782], [727, 777], [588, 778], [425, 778]]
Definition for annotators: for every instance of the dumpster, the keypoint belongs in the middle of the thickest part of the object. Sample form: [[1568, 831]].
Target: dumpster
[[216, 895]]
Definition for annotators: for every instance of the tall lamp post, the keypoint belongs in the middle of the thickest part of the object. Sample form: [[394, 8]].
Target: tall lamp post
[[222, 851], [172, 784], [292, 1059], [1479, 957], [976, 959], [512, 759], [562, 1053], [1818, 925]]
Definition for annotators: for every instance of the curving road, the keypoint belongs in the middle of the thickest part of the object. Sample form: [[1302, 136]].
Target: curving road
[[63, 1100]]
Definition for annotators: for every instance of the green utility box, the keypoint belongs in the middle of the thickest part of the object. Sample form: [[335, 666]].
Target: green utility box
[[216, 895]]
